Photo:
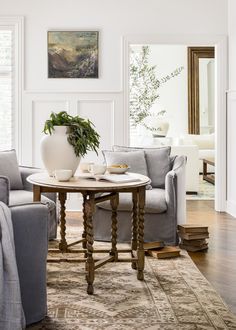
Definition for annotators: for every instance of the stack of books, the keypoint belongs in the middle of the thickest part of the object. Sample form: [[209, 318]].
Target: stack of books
[[160, 251], [193, 237]]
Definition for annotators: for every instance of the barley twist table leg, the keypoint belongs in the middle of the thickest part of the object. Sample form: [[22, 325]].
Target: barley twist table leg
[[89, 211], [63, 243], [84, 244], [114, 204], [140, 252], [134, 224]]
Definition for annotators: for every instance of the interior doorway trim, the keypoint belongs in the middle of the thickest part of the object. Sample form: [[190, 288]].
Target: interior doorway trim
[[194, 54], [220, 44]]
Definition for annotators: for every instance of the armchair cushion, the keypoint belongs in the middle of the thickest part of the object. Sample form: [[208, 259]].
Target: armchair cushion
[[155, 202], [157, 160], [9, 167], [158, 164], [135, 159]]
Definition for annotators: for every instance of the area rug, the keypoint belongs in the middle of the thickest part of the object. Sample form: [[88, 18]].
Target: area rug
[[206, 191], [173, 296]]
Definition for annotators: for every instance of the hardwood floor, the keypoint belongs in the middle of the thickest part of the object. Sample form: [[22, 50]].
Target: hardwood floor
[[218, 263]]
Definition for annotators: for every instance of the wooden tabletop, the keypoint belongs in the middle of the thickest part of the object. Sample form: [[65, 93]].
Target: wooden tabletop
[[78, 183]]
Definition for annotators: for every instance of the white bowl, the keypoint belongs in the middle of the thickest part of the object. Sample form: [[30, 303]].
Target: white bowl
[[63, 175], [117, 170], [96, 169]]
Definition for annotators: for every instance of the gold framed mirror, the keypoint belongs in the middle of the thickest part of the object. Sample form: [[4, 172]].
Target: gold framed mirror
[[194, 56]]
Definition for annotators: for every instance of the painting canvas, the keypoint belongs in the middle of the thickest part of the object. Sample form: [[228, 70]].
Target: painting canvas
[[73, 54]]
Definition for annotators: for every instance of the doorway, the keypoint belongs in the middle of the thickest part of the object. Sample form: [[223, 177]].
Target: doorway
[[220, 104]]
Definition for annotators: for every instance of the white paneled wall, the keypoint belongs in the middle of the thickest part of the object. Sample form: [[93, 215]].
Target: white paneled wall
[[101, 113], [40, 113], [103, 109]]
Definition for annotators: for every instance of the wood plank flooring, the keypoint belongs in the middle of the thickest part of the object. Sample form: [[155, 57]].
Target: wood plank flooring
[[218, 263]]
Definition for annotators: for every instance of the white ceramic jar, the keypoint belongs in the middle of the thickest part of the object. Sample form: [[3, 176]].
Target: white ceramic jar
[[57, 153]]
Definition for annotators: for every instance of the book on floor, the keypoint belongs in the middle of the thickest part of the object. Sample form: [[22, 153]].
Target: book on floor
[[194, 242], [153, 245], [165, 252], [191, 248], [189, 228], [192, 236]]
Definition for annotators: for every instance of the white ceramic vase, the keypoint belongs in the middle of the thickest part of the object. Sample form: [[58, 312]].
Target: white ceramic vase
[[57, 153]]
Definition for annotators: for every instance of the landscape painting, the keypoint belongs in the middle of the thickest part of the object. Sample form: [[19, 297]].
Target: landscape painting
[[72, 54]]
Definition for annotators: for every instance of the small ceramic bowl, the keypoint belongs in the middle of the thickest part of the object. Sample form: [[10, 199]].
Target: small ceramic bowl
[[117, 170], [63, 175]]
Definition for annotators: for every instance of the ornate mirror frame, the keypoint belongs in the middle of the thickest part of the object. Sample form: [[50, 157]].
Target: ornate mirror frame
[[194, 53]]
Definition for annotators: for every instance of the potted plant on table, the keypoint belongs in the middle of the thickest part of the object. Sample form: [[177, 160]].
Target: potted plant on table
[[67, 139]]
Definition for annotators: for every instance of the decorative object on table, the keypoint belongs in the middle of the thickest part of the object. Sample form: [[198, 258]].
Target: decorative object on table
[[68, 139], [118, 168], [97, 169], [193, 237], [144, 85], [63, 175], [73, 54]]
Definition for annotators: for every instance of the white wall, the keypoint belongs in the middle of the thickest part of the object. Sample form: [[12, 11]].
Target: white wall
[[231, 111], [100, 98], [173, 95]]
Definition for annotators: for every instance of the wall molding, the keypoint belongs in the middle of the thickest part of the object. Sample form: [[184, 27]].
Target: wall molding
[[112, 123], [28, 91], [33, 106]]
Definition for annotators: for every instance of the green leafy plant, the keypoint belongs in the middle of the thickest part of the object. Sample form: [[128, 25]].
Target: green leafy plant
[[82, 135]]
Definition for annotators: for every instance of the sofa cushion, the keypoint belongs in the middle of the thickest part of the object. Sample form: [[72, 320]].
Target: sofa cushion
[[9, 167], [155, 202], [203, 141], [135, 160], [18, 197]]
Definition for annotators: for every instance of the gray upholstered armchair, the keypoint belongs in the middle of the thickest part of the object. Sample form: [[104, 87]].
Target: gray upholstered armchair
[[165, 202], [30, 227], [21, 190]]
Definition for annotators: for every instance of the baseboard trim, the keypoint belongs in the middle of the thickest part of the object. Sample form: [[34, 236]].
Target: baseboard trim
[[231, 208]]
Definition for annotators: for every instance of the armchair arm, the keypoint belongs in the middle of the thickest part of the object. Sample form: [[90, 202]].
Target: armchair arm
[[30, 226], [25, 172], [178, 171], [4, 189]]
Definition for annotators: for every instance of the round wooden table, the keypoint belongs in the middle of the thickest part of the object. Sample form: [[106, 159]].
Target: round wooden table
[[110, 191]]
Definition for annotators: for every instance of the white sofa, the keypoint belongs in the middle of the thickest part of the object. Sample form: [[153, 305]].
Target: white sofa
[[192, 174], [206, 147]]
